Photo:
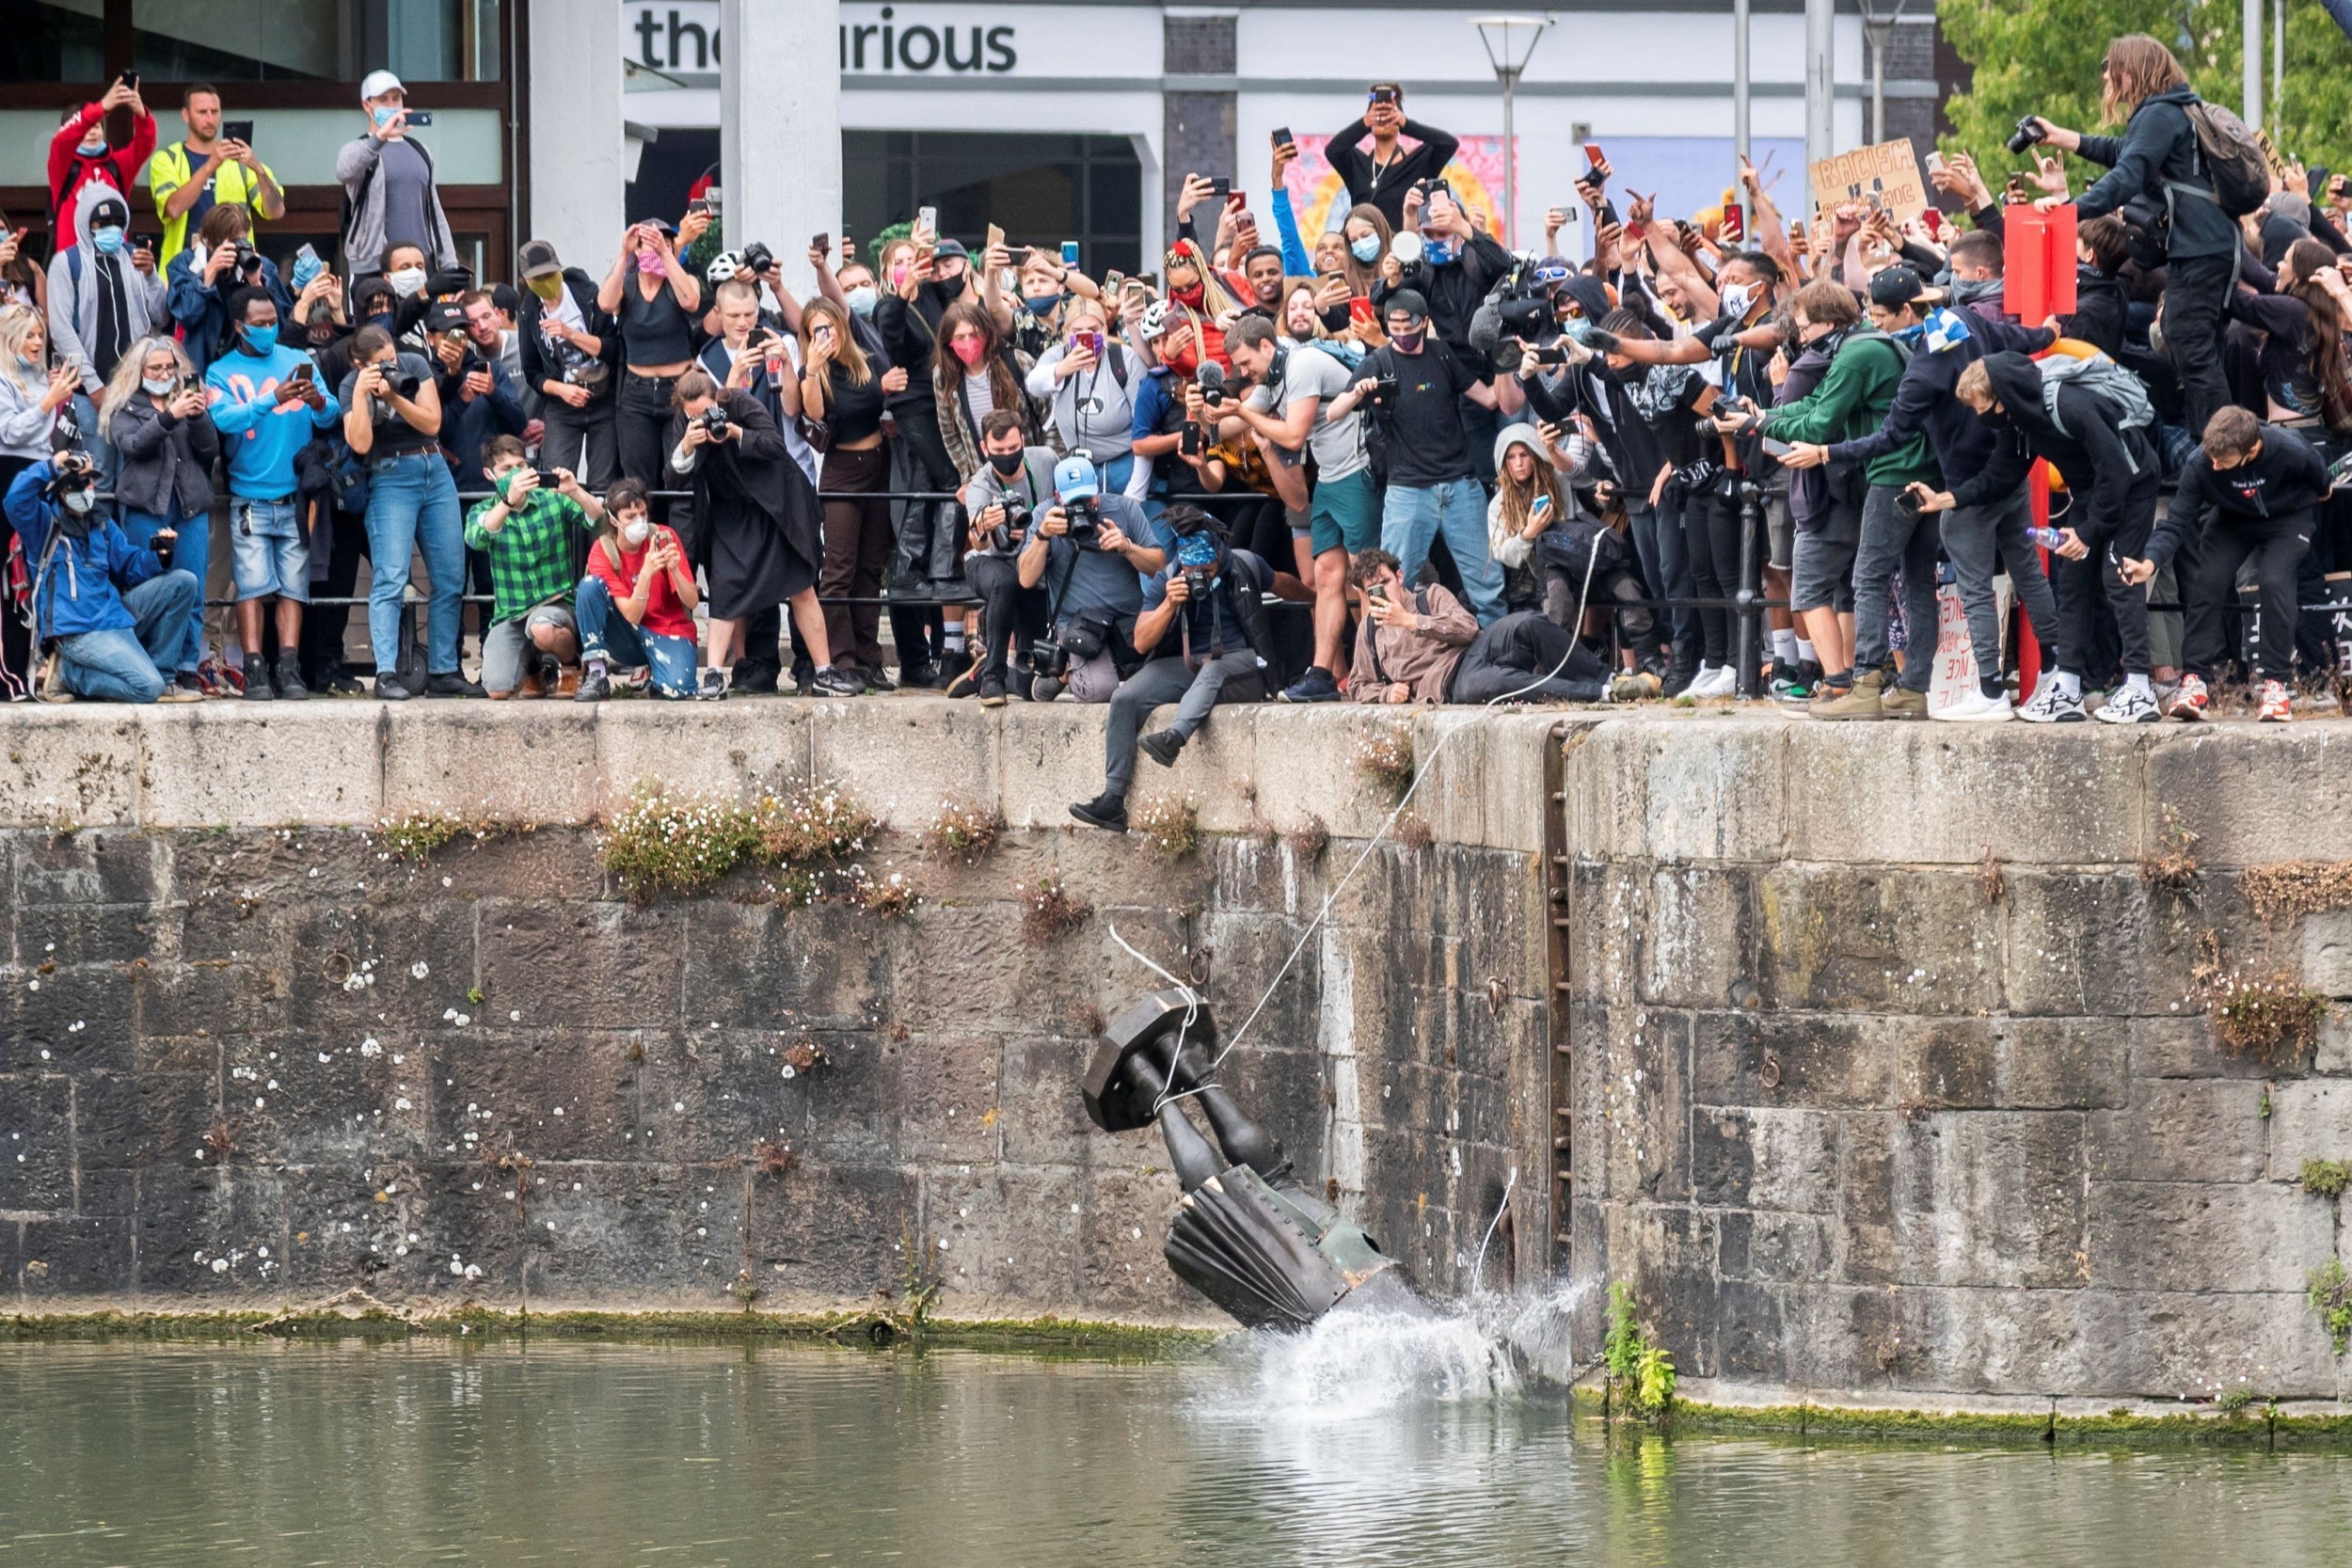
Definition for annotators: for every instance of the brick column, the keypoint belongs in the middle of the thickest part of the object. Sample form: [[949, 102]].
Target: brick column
[[1196, 129]]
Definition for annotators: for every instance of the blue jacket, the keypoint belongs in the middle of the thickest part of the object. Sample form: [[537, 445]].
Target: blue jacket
[[262, 437], [1925, 403], [80, 590], [202, 314], [466, 427], [2159, 146]]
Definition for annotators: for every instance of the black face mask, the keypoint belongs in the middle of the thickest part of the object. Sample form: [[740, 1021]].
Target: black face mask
[[948, 288], [1006, 463]]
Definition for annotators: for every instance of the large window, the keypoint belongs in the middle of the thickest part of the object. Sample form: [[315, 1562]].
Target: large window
[[255, 40], [1043, 189]]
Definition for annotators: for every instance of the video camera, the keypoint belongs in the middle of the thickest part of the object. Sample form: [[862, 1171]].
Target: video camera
[[1211, 383], [1518, 307]]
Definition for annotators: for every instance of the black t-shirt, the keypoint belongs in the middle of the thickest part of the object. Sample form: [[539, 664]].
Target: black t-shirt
[[1424, 421], [394, 436]]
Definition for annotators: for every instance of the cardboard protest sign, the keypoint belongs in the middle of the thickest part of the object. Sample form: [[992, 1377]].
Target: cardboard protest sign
[[1888, 172]]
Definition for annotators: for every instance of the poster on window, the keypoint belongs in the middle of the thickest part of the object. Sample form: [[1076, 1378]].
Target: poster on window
[[1320, 200]]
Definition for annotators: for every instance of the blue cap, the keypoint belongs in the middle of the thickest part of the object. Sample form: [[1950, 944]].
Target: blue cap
[[1075, 478]]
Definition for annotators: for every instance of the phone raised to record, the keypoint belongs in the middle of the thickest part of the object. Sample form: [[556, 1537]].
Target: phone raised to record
[[927, 223], [1069, 253], [237, 129], [1220, 185], [420, 117], [1594, 157], [1281, 135]]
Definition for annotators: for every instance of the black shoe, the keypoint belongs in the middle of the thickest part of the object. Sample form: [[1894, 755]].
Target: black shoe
[[388, 687], [337, 681], [1104, 810], [918, 677], [992, 691], [834, 683], [257, 687], [969, 683], [550, 675], [1678, 675], [595, 686], [1162, 746], [454, 683], [756, 677], [189, 680], [804, 684], [288, 676], [873, 680]]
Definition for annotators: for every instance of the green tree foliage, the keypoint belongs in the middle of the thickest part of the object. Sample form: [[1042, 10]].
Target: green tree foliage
[[2042, 57]]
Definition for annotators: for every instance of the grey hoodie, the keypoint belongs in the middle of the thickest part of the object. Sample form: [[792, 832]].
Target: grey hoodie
[[363, 209], [74, 306]]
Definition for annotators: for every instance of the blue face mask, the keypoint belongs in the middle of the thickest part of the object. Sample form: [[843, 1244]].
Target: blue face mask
[[383, 116], [1440, 253], [304, 271], [1577, 329], [1365, 249], [260, 342], [1043, 305], [107, 240]]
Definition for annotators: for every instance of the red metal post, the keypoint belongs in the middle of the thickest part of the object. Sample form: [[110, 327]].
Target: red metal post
[[2037, 281]]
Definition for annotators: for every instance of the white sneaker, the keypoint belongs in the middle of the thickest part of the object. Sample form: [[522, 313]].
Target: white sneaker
[[1714, 680], [2130, 705], [1974, 707], [2051, 707]]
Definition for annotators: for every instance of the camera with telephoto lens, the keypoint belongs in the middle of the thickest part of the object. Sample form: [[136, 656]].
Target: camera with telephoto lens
[[1006, 536], [714, 423], [1725, 408], [758, 258], [2028, 133], [1049, 658], [1518, 310], [1086, 520]]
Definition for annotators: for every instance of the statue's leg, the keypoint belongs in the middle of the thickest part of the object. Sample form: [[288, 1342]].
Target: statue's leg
[[1194, 1159], [1245, 1141]]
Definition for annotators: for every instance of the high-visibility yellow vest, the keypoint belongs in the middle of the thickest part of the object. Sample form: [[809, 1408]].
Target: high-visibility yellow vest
[[172, 167]]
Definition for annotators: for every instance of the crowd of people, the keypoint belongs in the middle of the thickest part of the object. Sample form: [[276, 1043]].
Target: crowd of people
[[1393, 461]]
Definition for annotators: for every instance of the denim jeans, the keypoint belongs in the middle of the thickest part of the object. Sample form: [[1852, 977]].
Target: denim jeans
[[1666, 558], [192, 553], [412, 505], [1412, 515], [1171, 680], [126, 665], [1893, 537], [607, 634]]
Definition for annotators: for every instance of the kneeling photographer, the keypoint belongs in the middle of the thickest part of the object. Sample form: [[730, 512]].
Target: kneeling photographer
[[1092, 552], [1204, 640], [1013, 486]]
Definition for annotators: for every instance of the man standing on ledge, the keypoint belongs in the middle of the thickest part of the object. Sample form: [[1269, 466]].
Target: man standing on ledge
[[389, 194]]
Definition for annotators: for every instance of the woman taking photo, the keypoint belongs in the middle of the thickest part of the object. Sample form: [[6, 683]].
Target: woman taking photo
[[979, 373], [1088, 381], [155, 413], [843, 383], [656, 299]]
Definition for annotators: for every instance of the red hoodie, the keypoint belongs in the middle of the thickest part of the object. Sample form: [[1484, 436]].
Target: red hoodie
[[68, 171]]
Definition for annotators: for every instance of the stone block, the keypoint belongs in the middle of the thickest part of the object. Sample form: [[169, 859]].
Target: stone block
[[515, 762], [583, 965], [2181, 1129], [1485, 785], [905, 755], [1712, 791], [2335, 1043], [61, 766], [191, 1217], [1006, 1241], [676, 1231], [127, 1121], [730, 751], [1637, 1120], [1991, 1198], [1308, 769], [60, 1264], [554, 1094], [1888, 941], [220, 996], [1915, 794], [2247, 793], [1047, 759], [315, 763], [75, 1016], [2310, 1119], [93, 866], [1948, 1064], [2328, 952], [380, 968], [2183, 1047], [2204, 1236], [37, 1141], [2063, 1064], [1823, 1061], [284, 1106], [2095, 943], [2193, 1344]]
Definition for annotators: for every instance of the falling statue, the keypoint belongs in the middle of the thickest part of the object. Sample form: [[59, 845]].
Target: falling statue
[[1247, 1234]]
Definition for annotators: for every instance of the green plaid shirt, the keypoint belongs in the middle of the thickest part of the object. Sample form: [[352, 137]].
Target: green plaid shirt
[[531, 554]]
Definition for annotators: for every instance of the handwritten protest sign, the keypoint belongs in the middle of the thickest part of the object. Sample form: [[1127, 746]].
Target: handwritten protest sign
[[1888, 172]]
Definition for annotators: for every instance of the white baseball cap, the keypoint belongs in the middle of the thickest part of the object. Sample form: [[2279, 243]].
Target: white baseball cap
[[378, 83]]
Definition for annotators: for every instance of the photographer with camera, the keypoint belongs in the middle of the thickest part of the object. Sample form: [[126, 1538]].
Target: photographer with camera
[[1202, 639], [479, 400], [201, 279], [154, 414], [1090, 551], [526, 529], [392, 421], [1015, 484], [2159, 177], [114, 615], [1415, 385], [1458, 266], [571, 352], [267, 402]]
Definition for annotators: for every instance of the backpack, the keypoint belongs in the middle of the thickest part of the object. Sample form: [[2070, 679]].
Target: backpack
[[2095, 373], [2241, 175]]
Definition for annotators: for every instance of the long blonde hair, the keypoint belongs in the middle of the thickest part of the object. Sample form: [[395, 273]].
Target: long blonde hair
[[1543, 481], [845, 352], [18, 324], [2137, 69], [123, 384]]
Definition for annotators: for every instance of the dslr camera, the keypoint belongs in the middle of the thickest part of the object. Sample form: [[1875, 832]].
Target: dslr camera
[[1197, 582], [2028, 133], [758, 258], [1049, 658], [1006, 536], [1086, 521], [714, 421]]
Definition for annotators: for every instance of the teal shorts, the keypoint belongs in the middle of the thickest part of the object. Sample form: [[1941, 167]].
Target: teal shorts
[[1346, 513]]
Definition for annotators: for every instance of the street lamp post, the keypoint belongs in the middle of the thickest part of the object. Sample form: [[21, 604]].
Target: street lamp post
[[1510, 41]]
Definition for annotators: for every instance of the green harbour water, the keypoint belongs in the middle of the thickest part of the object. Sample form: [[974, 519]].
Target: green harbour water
[[435, 1451]]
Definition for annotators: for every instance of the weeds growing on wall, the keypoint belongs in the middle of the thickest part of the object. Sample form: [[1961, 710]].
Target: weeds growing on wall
[[965, 831], [2331, 1298], [413, 836], [2281, 892], [2171, 866], [1170, 823], [2268, 1015], [664, 844], [1385, 758], [1310, 840], [885, 897], [1049, 912], [2327, 1177], [1639, 1372]]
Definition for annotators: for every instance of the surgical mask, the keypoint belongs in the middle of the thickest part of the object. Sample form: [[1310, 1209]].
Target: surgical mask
[[1408, 342], [383, 115], [636, 531], [650, 262], [108, 240], [158, 389], [1365, 249], [1440, 253], [864, 298], [304, 271], [407, 282], [1737, 297], [970, 350], [79, 501], [1577, 329], [1006, 463], [1043, 305], [30, 361], [259, 339], [92, 149], [549, 289]]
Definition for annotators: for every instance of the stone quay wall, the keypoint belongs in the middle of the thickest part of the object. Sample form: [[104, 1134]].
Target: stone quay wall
[[249, 1059]]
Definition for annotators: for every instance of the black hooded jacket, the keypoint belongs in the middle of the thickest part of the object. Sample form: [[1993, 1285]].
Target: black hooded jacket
[[2159, 149], [2108, 470], [2276, 489]]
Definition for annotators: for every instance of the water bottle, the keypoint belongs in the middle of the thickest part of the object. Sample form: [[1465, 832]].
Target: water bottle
[[2047, 538]]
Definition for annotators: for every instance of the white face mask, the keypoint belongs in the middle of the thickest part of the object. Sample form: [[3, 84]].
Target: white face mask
[[1737, 297], [158, 388], [407, 282], [79, 501], [636, 532]]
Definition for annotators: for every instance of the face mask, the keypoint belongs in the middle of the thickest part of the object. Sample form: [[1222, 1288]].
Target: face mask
[[382, 115], [107, 240], [79, 501], [1365, 249], [29, 361], [1006, 463], [1737, 297], [549, 289], [651, 264], [1408, 342], [864, 298], [970, 350], [1577, 329], [1440, 253], [636, 531], [260, 340], [1043, 305], [407, 282], [949, 287], [1967, 290], [157, 389], [1191, 298], [504, 483], [93, 149]]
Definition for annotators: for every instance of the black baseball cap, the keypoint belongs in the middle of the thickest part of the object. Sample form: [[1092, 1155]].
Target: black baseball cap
[[946, 248], [444, 317], [1896, 286], [1406, 302]]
